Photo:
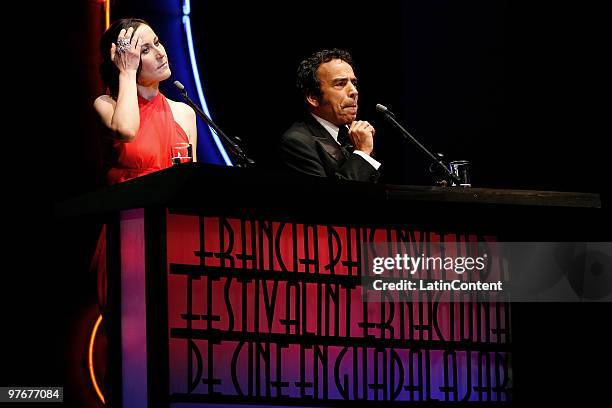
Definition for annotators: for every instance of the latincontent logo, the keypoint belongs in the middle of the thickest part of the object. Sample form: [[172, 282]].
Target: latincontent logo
[[402, 264]]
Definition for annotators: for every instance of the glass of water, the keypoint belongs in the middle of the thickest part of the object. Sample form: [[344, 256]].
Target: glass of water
[[181, 153], [461, 169]]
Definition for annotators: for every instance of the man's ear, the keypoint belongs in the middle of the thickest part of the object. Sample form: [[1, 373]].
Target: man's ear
[[312, 100]]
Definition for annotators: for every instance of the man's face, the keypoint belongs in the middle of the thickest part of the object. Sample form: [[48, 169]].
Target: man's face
[[338, 102]]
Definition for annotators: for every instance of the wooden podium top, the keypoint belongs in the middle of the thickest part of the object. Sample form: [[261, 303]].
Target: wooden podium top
[[198, 184]]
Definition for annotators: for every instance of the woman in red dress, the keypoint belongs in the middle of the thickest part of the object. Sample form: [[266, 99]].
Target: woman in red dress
[[142, 123]]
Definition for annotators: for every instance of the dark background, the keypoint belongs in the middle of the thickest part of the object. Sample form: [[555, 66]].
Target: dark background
[[516, 88], [510, 87]]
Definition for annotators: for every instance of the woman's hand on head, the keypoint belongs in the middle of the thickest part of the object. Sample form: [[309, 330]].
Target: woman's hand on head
[[126, 57]]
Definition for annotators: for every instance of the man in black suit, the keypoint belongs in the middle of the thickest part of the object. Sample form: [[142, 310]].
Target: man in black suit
[[329, 141]]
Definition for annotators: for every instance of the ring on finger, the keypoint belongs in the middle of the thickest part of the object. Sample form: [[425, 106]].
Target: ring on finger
[[123, 42]]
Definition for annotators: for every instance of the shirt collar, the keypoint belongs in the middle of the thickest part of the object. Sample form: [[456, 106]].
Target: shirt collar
[[330, 127]]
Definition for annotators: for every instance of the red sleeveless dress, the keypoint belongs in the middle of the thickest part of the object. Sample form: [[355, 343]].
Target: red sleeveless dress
[[150, 151]]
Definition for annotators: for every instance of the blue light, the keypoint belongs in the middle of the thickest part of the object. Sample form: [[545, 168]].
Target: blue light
[[196, 77]]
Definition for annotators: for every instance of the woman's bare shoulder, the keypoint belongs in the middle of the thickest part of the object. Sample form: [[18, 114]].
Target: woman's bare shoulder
[[180, 105], [182, 108]]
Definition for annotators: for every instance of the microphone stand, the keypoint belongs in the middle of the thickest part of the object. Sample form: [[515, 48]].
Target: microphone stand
[[241, 158], [389, 116]]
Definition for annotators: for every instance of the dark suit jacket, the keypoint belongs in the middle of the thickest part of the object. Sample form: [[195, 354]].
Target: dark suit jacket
[[306, 147]]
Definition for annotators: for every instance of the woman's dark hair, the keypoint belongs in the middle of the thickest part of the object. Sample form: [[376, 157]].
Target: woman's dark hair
[[307, 81], [108, 70]]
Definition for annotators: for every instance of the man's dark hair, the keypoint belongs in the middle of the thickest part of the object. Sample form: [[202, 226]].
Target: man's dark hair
[[108, 70], [307, 81]]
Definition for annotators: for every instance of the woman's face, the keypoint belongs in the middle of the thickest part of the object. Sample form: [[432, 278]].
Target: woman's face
[[153, 59]]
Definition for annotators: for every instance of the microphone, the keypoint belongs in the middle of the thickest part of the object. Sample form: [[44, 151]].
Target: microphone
[[181, 87], [389, 116], [239, 154], [383, 109]]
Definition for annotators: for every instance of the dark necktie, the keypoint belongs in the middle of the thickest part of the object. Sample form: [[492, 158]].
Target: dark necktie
[[343, 137]]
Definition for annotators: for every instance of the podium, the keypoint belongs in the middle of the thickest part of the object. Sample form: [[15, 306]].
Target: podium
[[231, 286]]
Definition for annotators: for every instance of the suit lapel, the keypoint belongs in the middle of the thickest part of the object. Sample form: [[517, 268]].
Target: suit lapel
[[326, 140]]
